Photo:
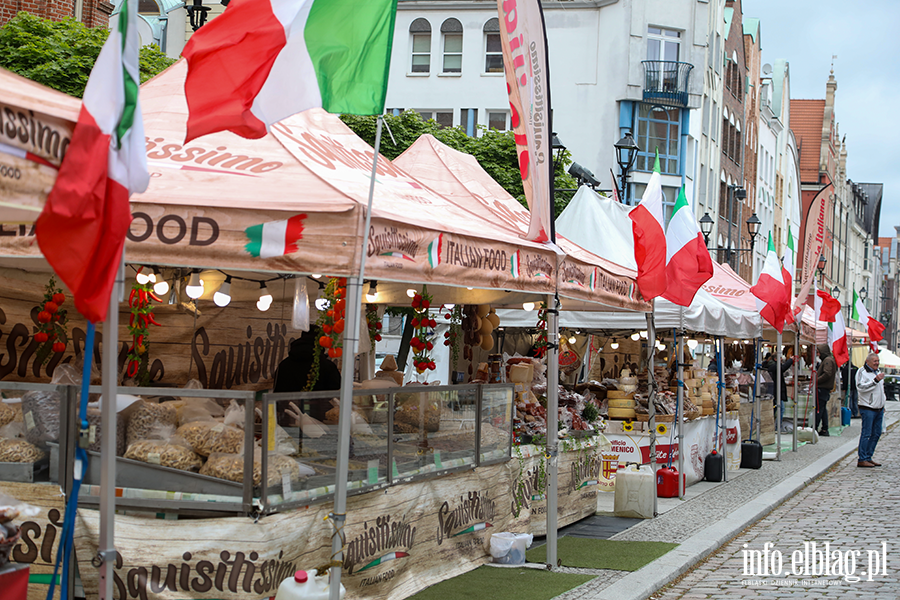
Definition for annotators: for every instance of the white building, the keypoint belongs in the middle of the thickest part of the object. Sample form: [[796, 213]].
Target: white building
[[615, 66]]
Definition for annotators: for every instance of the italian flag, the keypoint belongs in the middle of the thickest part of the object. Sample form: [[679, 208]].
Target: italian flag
[[275, 238], [264, 60], [827, 306], [514, 262], [837, 339], [688, 265], [434, 251], [789, 262], [649, 238], [82, 229], [771, 292], [859, 313]]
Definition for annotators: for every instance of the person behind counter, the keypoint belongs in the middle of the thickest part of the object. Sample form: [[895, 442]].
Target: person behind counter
[[292, 374], [825, 376]]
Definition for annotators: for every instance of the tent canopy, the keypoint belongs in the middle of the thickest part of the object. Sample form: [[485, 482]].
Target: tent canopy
[[294, 202]]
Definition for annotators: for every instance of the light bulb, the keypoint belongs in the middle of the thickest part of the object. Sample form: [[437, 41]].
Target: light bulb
[[223, 295], [142, 278], [411, 293], [529, 306], [747, 342], [264, 295], [161, 287], [322, 304], [660, 346], [263, 305], [572, 340], [372, 294], [692, 344], [449, 306], [614, 345], [468, 288], [316, 275], [194, 288], [635, 336]]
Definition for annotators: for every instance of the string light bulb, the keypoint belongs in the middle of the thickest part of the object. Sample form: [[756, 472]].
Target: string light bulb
[[692, 344], [528, 306], [194, 288], [265, 298], [635, 336], [223, 295], [161, 287], [372, 294], [614, 345], [411, 293], [572, 339], [142, 278]]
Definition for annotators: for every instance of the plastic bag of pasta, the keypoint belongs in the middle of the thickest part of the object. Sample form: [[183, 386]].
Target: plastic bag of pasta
[[165, 448]]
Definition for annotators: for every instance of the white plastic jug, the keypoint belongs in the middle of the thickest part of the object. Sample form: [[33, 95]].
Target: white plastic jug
[[635, 490], [303, 587], [509, 548]]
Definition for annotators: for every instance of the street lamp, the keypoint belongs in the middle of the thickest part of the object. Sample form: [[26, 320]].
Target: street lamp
[[626, 153], [836, 293], [706, 226], [197, 13], [820, 267], [753, 225], [558, 148], [863, 293]]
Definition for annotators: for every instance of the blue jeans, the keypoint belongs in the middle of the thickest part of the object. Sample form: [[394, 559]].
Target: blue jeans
[[871, 431]]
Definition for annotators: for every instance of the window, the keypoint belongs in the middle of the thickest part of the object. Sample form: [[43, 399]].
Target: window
[[420, 31], [444, 118], [498, 120], [150, 7], [658, 129], [663, 44], [451, 31], [493, 47], [468, 120]]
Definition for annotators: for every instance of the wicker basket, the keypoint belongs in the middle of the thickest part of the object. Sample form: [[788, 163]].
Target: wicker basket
[[659, 418]]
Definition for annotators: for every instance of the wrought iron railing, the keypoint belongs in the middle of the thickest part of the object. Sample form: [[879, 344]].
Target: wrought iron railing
[[666, 82]]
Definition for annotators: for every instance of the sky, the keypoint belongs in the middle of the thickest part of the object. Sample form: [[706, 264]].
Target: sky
[[865, 38]]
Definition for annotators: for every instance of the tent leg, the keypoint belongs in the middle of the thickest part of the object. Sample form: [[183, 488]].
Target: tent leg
[[106, 548], [679, 403], [552, 425], [796, 390], [778, 397], [651, 407], [720, 361]]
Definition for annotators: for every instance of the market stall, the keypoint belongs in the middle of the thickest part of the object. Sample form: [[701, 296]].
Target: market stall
[[196, 216]]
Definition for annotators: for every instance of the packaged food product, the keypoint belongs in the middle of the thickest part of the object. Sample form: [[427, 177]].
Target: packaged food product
[[147, 416]]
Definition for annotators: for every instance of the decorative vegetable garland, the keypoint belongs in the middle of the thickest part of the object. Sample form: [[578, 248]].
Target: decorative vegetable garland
[[540, 345], [423, 331], [331, 323], [451, 337], [52, 332], [373, 323], [139, 327]]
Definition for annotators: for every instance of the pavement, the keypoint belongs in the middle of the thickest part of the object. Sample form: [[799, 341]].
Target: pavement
[[715, 516]]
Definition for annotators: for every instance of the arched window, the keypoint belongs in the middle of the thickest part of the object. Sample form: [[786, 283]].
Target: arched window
[[493, 47], [148, 7], [452, 34], [420, 35]]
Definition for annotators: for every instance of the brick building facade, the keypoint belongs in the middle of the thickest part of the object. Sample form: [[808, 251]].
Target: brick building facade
[[93, 13]]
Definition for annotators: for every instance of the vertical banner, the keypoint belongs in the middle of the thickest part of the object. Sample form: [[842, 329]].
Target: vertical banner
[[812, 237], [525, 64]]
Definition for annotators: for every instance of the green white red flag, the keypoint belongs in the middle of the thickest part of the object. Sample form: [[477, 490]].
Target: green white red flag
[[647, 226], [264, 60], [861, 314], [837, 339], [688, 264], [81, 231], [770, 291]]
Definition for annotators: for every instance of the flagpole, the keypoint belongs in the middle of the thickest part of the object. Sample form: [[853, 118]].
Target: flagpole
[[796, 386], [106, 549], [552, 425], [679, 404], [351, 343], [651, 407]]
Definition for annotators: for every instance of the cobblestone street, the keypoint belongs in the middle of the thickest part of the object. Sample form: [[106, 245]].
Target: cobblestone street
[[852, 509]]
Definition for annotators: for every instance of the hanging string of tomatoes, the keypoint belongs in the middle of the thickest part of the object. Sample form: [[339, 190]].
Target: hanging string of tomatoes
[[423, 331], [373, 323], [52, 331], [540, 344], [139, 301], [331, 322]]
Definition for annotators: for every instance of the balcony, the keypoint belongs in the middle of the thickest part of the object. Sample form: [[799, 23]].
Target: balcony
[[666, 82]]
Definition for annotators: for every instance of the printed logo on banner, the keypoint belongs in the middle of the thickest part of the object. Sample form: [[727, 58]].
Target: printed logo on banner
[[585, 470], [592, 284], [514, 262], [390, 242], [434, 251], [609, 464], [473, 513], [374, 545], [574, 275], [731, 436], [275, 238]]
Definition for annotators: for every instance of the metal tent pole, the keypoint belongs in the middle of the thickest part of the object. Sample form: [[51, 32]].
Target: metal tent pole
[[552, 425], [778, 398], [720, 361], [651, 408], [796, 387], [679, 403], [106, 549]]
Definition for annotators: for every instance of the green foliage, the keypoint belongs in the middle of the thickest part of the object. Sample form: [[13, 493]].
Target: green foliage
[[494, 150], [61, 54]]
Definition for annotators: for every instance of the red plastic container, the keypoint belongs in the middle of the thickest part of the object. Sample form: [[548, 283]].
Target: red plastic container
[[667, 482]]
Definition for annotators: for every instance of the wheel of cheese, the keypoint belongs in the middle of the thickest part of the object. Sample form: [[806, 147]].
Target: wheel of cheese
[[621, 413], [708, 404], [620, 403], [708, 411], [619, 394]]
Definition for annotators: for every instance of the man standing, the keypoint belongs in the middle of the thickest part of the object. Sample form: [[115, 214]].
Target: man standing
[[825, 375], [870, 387]]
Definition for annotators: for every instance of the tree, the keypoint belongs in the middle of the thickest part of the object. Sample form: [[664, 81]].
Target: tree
[[61, 54], [494, 150]]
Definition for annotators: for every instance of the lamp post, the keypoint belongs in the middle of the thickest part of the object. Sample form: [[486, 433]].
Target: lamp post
[[197, 13], [820, 268], [626, 153], [706, 226]]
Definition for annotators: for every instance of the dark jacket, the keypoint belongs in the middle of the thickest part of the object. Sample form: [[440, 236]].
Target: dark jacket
[[827, 370], [292, 374], [848, 373], [772, 367]]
